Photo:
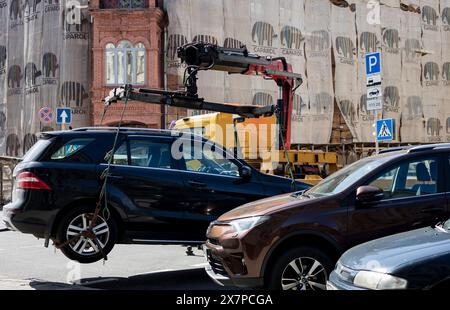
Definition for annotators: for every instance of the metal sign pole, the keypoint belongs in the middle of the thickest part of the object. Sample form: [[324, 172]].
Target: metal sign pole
[[377, 144]]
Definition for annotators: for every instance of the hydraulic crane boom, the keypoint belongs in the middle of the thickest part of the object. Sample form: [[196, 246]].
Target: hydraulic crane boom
[[203, 56]]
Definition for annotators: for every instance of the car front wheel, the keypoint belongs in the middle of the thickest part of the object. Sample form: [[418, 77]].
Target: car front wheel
[[302, 268], [75, 235]]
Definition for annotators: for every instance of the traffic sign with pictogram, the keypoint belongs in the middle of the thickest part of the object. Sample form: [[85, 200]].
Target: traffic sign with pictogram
[[46, 115]]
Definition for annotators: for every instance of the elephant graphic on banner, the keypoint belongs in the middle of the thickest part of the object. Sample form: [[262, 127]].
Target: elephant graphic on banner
[[391, 38], [72, 92], [415, 107], [205, 38], [431, 71], [447, 125], [232, 43], [391, 96], [31, 4], [291, 37], [319, 40], [2, 56], [15, 10], [434, 126], [345, 47], [411, 47], [173, 43], [50, 64], [298, 105], [429, 15], [263, 33], [28, 141], [369, 42], [323, 102], [14, 76], [262, 99], [446, 71], [446, 16], [31, 73], [12, 145]]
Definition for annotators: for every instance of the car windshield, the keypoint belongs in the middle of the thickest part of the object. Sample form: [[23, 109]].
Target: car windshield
[[446, 225], [345, 177]]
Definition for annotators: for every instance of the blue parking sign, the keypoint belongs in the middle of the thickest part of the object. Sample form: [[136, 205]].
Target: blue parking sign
[[385, 129], [373, 63]]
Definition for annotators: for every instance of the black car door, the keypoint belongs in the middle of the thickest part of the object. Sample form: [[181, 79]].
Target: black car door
[[213, 184], [414, 196], [144, 182]]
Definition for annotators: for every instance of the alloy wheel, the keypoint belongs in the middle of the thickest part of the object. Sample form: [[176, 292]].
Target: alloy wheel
[[304, 273], [84, 245]]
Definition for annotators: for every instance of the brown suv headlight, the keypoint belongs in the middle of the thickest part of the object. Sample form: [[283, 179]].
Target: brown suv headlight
[[247, 223]]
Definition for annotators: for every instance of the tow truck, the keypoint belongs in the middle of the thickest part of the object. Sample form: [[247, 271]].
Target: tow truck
[[305, 165]]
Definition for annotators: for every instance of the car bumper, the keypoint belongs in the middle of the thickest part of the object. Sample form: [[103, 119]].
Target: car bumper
[[33, 222], [336, 283], [219, 272]]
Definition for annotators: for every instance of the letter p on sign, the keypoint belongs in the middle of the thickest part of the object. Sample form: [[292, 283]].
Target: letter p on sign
[[373, 63]]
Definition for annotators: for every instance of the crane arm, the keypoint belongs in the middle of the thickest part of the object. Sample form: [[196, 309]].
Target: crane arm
[[181, 100]]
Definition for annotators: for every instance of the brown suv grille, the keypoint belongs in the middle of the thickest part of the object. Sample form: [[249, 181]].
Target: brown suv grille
[[216, 265]]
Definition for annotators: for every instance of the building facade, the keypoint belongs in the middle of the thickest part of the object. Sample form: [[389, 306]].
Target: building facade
[[126, 48]]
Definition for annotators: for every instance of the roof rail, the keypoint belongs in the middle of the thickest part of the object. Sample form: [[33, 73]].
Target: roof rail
[[394, 149], [121, 129], [428, 147]]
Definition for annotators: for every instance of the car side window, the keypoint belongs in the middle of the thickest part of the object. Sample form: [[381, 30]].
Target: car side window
[[209, 160], [121, 155], [409, 179], [144, 153], [72, 151]]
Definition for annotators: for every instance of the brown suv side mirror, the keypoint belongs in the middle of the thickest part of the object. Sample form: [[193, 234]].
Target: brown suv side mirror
[[367, 194]]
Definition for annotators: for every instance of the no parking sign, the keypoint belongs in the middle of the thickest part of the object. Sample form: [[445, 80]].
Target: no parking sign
[[46, 115]]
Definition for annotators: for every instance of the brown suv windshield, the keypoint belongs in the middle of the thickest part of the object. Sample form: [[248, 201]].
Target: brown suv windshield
[[345, 177]]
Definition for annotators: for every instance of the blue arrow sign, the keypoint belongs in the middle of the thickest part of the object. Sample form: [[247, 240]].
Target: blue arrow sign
[[63, 115], [373, 63], [385, 129]]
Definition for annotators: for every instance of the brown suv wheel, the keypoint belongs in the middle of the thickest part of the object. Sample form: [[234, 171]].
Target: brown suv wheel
[[301, 268]]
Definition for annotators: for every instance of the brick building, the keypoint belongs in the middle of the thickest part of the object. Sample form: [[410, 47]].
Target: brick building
[[126, 48]]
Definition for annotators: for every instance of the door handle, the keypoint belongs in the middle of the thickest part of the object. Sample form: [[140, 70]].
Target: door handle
[[196, 183], [432, 210]]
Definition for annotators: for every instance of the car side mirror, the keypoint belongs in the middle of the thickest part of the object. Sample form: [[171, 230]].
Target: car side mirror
[[245, 173], [368, 194]]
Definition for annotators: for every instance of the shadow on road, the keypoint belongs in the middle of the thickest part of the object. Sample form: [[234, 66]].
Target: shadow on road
[[191, 279]]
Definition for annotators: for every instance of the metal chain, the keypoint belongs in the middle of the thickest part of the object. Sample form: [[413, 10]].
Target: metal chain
[[104, 175]]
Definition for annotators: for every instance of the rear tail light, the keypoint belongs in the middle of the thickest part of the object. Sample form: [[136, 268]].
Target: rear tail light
[[28, 180]]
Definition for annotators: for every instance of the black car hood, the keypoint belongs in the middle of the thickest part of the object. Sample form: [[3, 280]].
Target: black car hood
[[391, 253]]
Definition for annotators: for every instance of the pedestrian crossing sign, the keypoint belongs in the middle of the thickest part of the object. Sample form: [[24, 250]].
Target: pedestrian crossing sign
[[385, 129]]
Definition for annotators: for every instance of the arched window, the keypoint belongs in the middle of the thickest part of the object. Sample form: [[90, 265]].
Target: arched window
[[123, 4], [125, 63]]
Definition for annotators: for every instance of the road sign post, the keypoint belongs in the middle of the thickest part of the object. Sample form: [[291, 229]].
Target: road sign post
[[374, 89]]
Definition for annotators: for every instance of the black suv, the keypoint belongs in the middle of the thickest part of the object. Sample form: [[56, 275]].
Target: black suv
[[152, 195]]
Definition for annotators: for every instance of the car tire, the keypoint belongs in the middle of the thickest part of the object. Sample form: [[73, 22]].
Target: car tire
[[81, 249], [286, 272]]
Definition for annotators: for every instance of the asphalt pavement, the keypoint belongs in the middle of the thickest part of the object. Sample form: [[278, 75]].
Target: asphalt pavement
[[26, 264]]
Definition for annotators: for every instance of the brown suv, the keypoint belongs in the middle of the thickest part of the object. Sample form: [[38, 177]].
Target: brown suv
[[292, 241]]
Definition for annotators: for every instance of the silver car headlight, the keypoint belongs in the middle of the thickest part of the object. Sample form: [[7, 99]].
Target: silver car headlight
[[379, 281], [245, 224]]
